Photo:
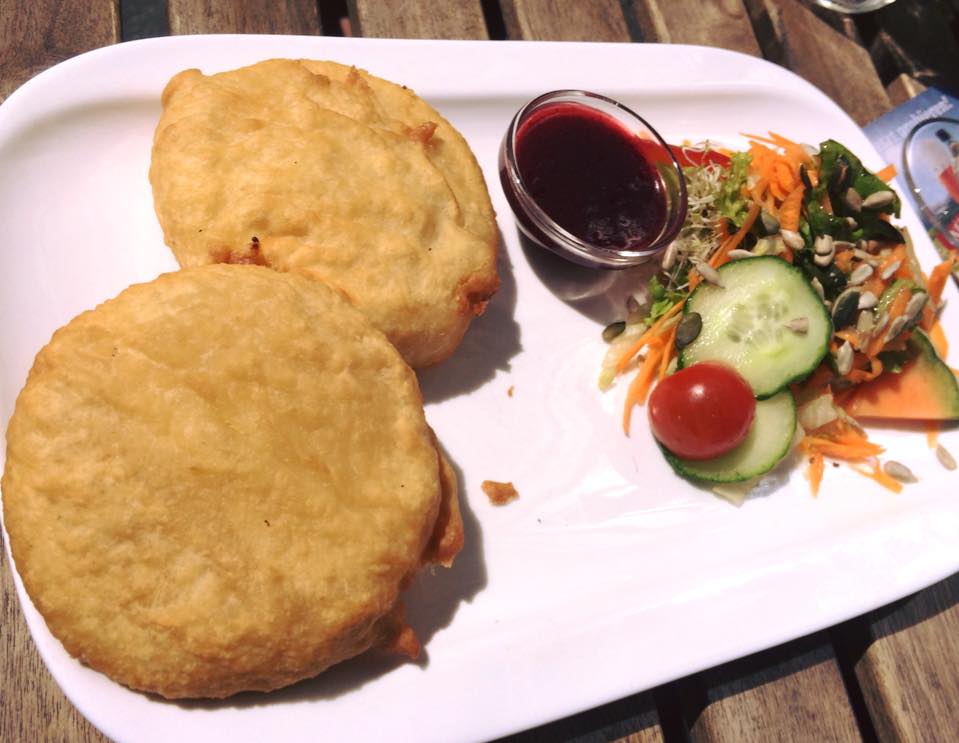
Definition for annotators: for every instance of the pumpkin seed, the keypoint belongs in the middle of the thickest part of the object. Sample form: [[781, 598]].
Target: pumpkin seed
[[899, 471], [844, 308], [612, 330], [688, 329], [769, 222]]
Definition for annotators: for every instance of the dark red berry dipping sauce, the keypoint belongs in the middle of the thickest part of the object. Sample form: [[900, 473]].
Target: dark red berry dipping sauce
[[591, 176]]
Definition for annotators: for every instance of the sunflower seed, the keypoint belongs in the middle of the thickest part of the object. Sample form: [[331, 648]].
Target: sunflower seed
[[881, 322], [822, 260], [890, 270], [799, 325], [899, 471], [843, 244], [738, 253], [612, 330], [844, 359], [823, 245], [709, 273], [945, 458], [792, 239], [865, 321], [878, 200], [809, 149], [669, 257], [865, 257], [672, 366], [688, 329], [916, 303], [867, 300], [860, 274], [816, 284], [852, 222], [895, 328], [853, 199]]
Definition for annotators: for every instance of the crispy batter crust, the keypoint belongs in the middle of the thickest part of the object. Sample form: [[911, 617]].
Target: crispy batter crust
[[220, 481], [321, 169]]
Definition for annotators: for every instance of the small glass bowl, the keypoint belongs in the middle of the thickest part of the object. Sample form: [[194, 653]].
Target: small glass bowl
[[544, 231]]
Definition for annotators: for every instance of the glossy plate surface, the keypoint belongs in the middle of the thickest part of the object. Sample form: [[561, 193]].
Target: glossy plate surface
[[609, 574]]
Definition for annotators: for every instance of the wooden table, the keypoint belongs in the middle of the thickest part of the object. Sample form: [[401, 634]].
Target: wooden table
[[890, 675]]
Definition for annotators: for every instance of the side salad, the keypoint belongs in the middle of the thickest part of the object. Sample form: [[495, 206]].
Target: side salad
[[789, 308]]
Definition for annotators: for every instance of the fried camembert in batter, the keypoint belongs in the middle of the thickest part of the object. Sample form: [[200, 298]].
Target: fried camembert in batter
[[321, 169], [221, 481]]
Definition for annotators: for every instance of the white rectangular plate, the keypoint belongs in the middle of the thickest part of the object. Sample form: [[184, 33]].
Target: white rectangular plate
[[609, 575]]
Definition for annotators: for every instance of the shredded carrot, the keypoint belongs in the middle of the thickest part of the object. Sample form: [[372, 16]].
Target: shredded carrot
[[887, 173], [639, 387], [937, 279], [790, 208], [721, 256], [843, 261], [669, 350], [815, 472], [879, 476], [646, 338], [938, 338], [932, 433], [837, 450], [898, 305]]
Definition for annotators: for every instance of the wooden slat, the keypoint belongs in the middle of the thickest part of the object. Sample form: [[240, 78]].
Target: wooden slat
[[909, 675], [565, 20], [791, 693], [794, 37], [418, 19], [36, 34], [249, 17], [631, 720], [722, 23], [32, 707]]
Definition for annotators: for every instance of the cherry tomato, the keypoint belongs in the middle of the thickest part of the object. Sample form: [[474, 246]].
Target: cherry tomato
[[702, 411]]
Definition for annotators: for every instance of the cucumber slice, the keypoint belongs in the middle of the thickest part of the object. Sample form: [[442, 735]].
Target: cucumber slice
[[769, 440], [745, 323]]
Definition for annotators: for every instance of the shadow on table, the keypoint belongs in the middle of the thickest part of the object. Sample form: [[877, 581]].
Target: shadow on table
[[490, 342], [431, 603]]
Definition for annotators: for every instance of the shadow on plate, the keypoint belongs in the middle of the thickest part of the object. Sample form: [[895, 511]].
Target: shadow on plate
[[431, 603], [490, 342], [598, 293]]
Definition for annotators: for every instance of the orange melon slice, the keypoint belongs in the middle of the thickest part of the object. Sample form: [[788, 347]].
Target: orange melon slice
[[925, 390]]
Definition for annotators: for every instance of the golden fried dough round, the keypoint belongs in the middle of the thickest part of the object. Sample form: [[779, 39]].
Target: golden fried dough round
[[320, 169], [220, 481]]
